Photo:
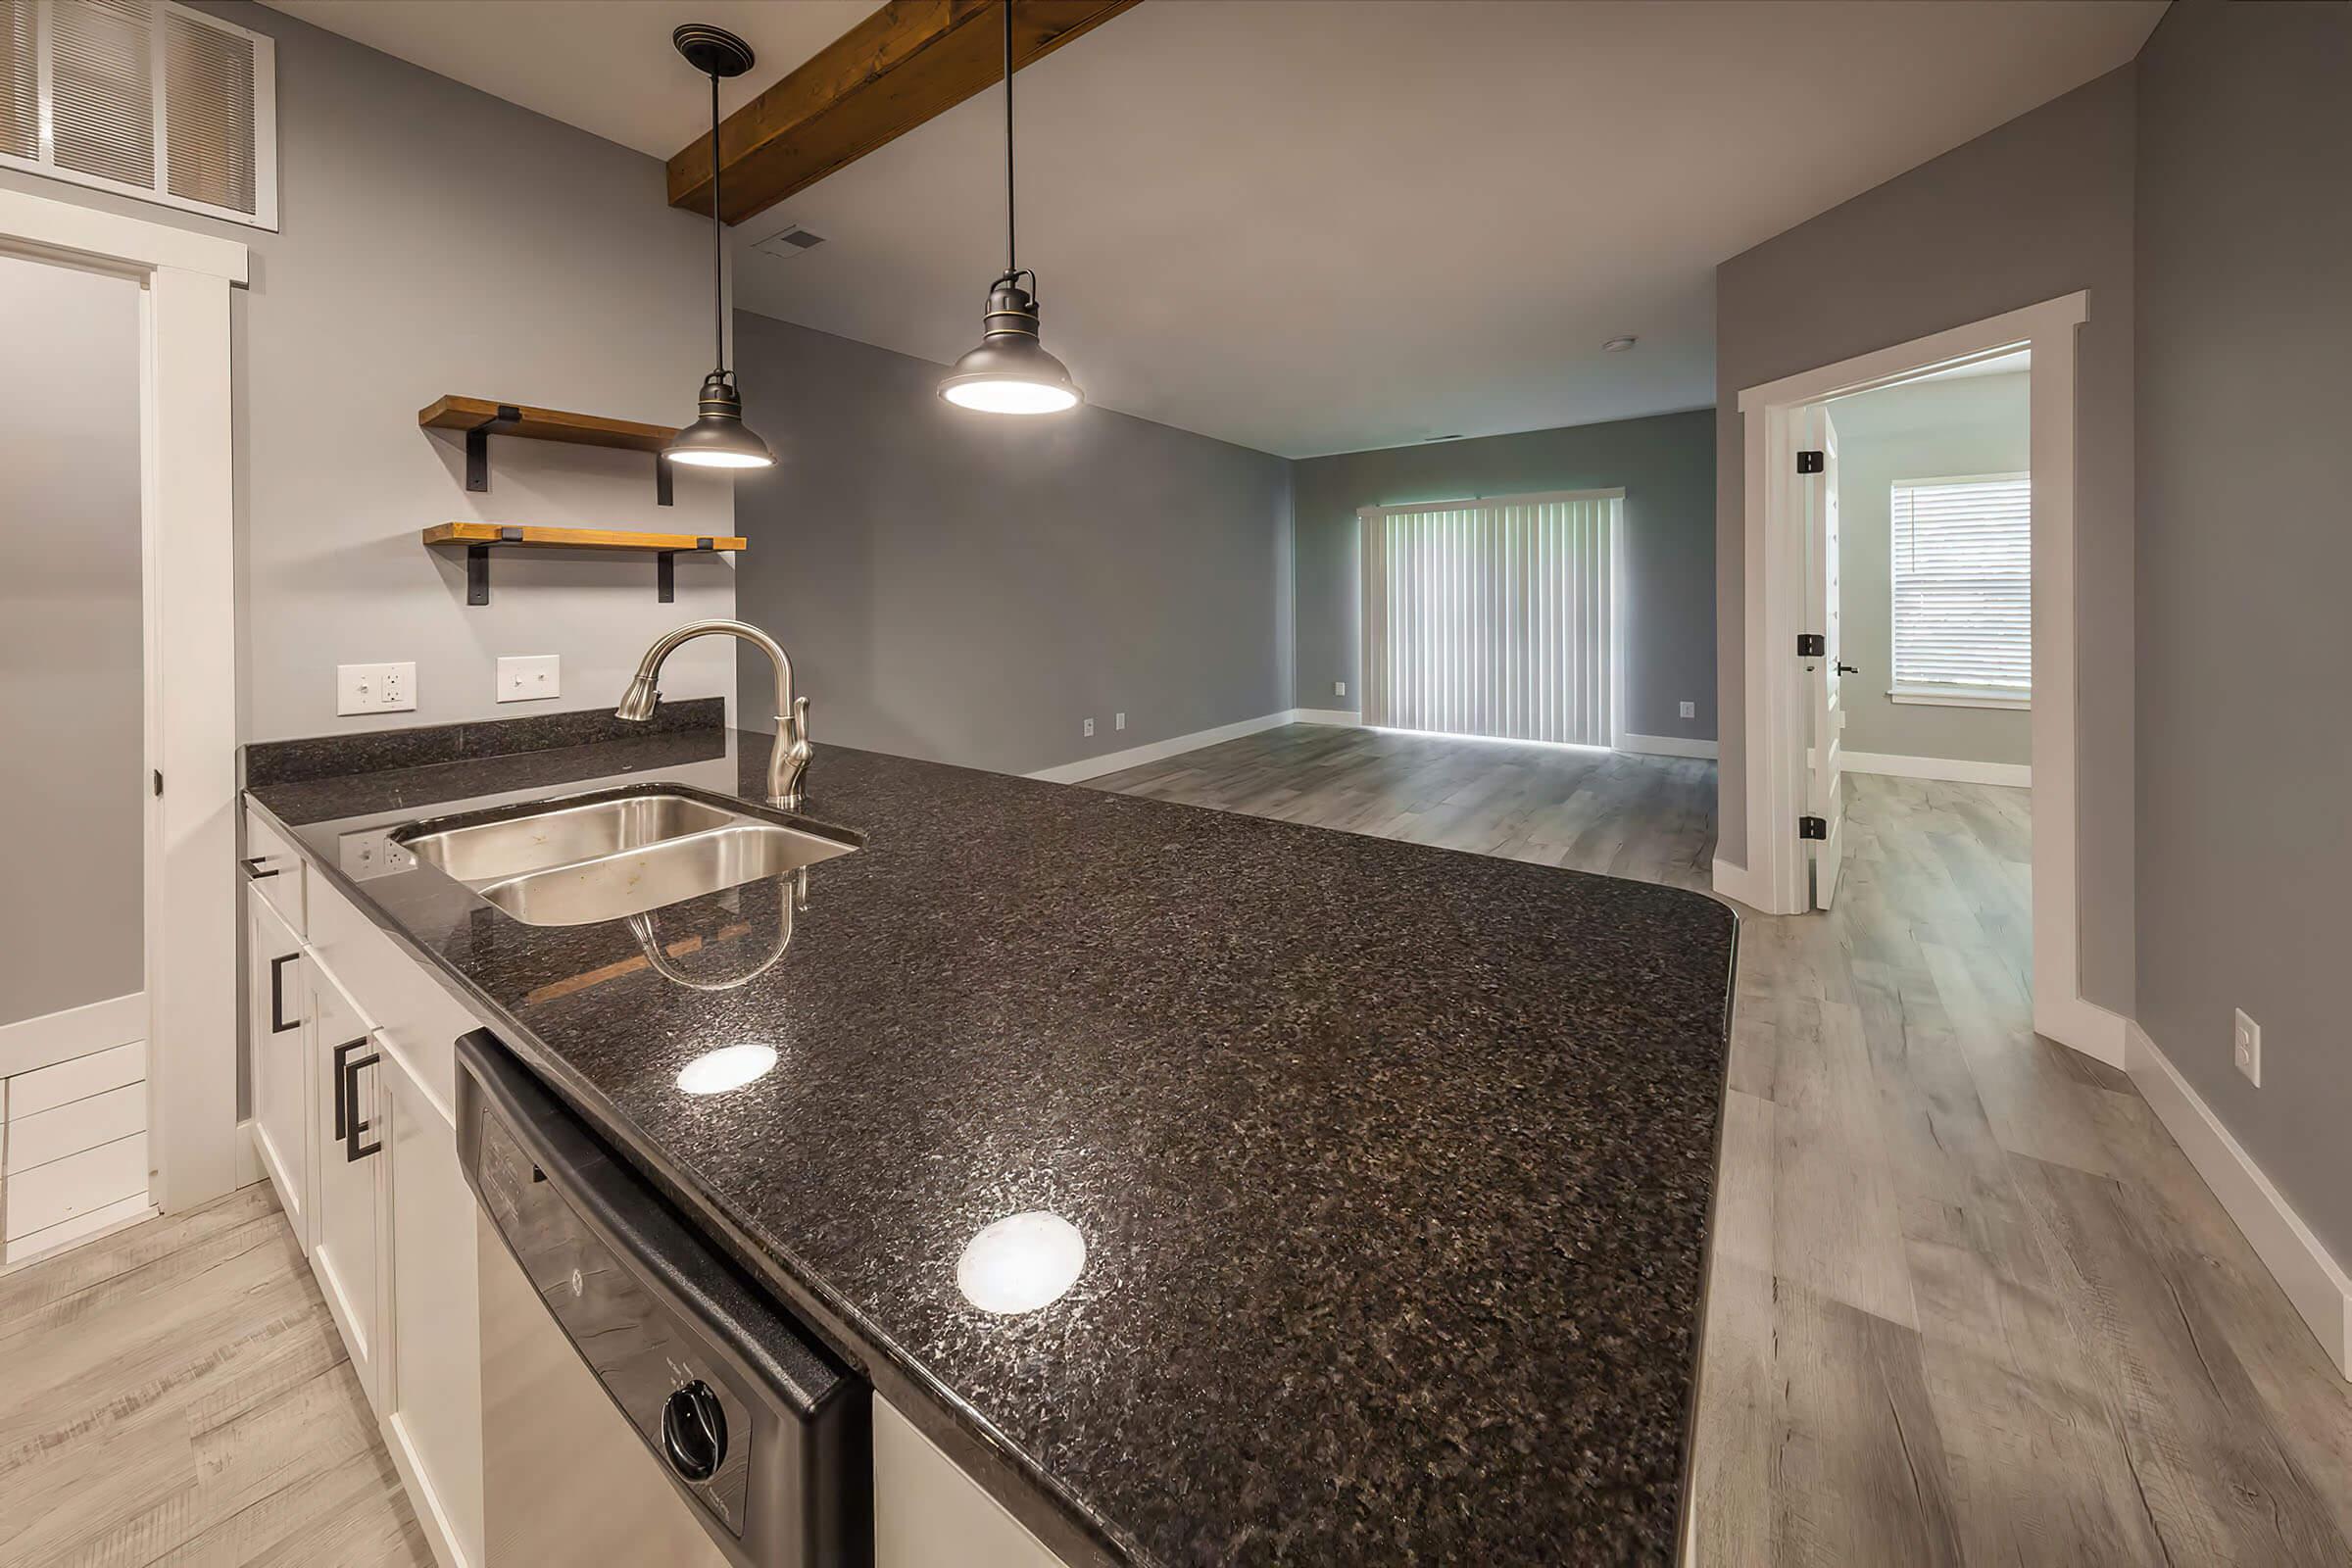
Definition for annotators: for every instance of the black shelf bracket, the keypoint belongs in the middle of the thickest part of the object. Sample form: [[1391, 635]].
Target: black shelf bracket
[[661, 496], [477, 445], [477, 567], [666, 570]]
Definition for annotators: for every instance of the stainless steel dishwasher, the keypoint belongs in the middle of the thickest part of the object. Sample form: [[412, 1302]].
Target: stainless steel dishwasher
[[642, 1403]]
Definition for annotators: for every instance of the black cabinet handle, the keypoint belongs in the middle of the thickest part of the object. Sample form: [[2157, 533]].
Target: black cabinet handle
[[348, 1125], [1849, 669], [278, 1023], [253, 867]]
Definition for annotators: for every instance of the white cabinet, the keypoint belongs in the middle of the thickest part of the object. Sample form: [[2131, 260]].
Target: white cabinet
[[347, 1236], [277, 1056], [433, 1410]]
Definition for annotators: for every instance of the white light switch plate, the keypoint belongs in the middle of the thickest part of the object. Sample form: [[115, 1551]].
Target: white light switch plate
[[2245, 1047], [528, 678], [1690, 710], [375, 688]]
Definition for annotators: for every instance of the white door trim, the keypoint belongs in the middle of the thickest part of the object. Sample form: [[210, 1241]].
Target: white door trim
[[1774, 878], [189, 533]]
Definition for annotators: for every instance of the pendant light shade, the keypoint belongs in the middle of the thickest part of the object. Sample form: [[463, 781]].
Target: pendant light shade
[[718, 439], [1010, 372]]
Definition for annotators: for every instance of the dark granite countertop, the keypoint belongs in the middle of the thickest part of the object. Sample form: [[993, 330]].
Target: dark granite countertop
[[1392, 1164]]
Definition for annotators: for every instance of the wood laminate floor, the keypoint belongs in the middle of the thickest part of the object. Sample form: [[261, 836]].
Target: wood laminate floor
[[1970, 1303], [175, 1393]]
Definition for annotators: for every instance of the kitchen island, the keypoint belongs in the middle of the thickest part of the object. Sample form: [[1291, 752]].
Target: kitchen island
[[1392, 1164]]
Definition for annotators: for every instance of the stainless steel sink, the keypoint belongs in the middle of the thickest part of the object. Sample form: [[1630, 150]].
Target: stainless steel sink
[[608, 856]]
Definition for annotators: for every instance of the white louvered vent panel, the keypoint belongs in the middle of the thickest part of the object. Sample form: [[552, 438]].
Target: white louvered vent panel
[[144, 97], [207, 113], [102, 89], [20, 82]]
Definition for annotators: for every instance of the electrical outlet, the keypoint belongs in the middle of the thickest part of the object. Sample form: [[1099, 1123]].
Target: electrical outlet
[[528, 678], [374, 688], [1090, 728], [1339, 688], [1690, 710], [370, 853], [1118, 721], [2246, 1047]]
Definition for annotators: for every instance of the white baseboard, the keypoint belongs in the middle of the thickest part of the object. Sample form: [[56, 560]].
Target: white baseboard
[[1665, 746], [250, 1169], [56, 1037], [2085, 1026], [1346, 718], [2311, 1278], [1734, 881], [1087, 768], [1948, 769]]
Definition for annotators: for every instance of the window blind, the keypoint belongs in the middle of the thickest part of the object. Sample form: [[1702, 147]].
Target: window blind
[[1963, 576], [1492, 618]]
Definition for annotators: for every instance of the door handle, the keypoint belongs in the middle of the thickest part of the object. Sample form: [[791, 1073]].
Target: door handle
[[1849, 669], [348, 1125], [277, 994]]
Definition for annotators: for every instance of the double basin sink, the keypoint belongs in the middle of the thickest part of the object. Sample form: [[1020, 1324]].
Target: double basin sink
[[613, 854]]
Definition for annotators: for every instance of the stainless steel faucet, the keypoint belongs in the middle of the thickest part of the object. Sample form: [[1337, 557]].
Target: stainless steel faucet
[[789, 762]]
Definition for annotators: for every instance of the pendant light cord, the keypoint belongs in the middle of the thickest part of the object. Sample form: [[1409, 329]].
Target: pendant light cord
[[1010, 270], [718, 280]]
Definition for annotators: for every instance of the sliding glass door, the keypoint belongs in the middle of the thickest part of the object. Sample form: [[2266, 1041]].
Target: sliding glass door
[[1493, 618]]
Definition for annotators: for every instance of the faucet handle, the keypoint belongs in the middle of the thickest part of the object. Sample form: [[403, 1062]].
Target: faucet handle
[[800, 721]]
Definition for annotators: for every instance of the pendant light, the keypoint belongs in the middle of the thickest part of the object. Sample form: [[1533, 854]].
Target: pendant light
[[1010, 372], [719, 439]]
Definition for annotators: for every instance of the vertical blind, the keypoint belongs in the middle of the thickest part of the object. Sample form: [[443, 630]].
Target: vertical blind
[[1492, 618], [1963, 572]]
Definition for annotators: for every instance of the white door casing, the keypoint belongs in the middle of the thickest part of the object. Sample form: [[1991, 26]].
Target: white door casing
[[1776, 781], [187, 529]]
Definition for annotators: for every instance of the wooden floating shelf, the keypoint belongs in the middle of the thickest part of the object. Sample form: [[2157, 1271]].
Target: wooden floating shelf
[[478, 539], [479, 418]]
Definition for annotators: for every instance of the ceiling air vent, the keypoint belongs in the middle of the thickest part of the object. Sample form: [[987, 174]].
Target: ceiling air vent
[[789, 242], [143, 97]]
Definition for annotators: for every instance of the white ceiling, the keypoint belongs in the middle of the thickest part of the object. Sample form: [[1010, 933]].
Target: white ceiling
[[605, 66], [1311, 227]]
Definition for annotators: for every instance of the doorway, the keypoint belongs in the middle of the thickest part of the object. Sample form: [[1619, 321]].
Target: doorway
[[182, 940], [73, 681], [1786, 703]]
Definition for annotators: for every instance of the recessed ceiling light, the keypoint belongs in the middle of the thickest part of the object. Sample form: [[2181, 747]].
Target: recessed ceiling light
[[1618, 345]]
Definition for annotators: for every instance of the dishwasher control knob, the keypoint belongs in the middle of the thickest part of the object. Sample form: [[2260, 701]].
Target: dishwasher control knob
[[694, 1430]]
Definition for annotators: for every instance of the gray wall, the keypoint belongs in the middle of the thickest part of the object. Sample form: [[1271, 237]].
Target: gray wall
[[2245, 756], [971, 589], [2031, 210], [71, 640], [1667, 467], [436, 240], [1930, 430]]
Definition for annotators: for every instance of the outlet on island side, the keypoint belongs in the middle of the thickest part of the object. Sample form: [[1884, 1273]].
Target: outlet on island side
[[1690, 710], [2245, 1047], [1118, 721], [1339, 688], [1090, 729]]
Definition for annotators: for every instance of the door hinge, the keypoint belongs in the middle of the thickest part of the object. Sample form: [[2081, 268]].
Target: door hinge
[[1809, 462], [1812, 827], [1812, 645], [158, 783]]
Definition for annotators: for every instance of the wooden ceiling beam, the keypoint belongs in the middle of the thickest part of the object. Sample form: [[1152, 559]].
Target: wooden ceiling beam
[[909, 62]]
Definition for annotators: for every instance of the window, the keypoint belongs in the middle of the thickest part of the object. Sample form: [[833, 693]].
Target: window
[[142, 97], [1493, 618], [1963, 576]]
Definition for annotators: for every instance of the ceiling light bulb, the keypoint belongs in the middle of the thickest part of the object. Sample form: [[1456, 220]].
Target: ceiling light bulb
[[1010, 397]]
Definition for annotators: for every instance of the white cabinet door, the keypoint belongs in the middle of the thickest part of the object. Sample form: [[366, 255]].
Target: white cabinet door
[[434, 1375], [277, 1056], [347, 1128]]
